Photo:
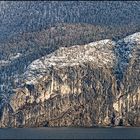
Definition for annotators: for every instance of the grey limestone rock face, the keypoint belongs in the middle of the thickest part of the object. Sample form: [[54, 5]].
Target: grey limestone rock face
[[96, 84]]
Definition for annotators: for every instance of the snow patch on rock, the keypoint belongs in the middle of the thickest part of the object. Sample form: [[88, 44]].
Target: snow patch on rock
[[99, 53]]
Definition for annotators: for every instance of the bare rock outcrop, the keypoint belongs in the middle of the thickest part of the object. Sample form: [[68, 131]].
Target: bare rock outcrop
[[96, 84]]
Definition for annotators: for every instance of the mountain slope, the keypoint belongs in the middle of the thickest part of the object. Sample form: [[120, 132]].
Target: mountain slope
[[18, 52], [28, 16]]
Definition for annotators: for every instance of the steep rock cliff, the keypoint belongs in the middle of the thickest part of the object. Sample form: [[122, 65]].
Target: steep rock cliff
[[128, 100], [84, 85]]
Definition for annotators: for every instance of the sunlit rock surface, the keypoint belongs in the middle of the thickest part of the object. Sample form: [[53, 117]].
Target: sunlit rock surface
[[95, 84]]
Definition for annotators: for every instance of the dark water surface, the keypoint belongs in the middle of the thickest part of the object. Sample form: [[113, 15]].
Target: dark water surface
[[70, 133]]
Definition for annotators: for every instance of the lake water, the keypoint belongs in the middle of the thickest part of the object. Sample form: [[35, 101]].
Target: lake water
[[70, 133]]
